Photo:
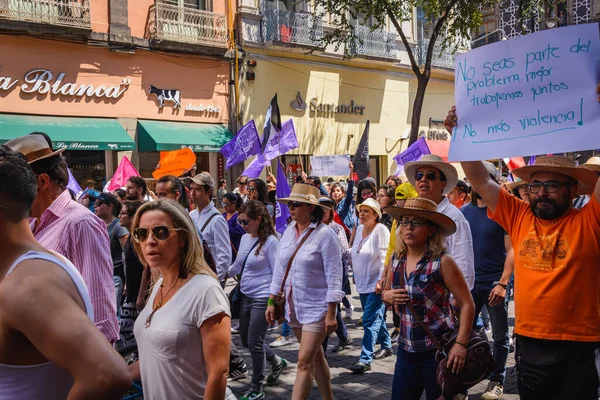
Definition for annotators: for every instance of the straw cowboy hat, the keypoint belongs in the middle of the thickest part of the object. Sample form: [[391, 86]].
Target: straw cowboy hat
[[431, 160], [516, 184], [33, 147], [426, 209], [586, 178], [304, 194], [593, 163], [372, 204]]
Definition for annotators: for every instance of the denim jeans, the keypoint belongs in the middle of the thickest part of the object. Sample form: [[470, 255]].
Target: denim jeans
[[414, 373], [373, 326], [119, 291], [286, 331], [499, 322]]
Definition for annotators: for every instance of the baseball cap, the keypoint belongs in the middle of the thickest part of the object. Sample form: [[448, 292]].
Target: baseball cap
[[405, 191], [106, 198], [462, 186], [204, 179]]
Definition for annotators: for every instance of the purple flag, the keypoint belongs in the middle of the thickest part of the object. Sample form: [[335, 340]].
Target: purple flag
[[413, 152], [242, 146], [282, 190], [531, 160], [284, 141], [510, 178], [73, 185]]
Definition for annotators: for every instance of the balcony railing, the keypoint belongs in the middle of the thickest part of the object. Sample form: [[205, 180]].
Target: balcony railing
[[187, 25], [287, 27], [443, 60], [68, 13], [377, 43]]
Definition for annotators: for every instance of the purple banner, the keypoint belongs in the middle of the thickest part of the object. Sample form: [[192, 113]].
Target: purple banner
[[242, 146], [413, 152], [282, 190], [73, 185], [284, 141]]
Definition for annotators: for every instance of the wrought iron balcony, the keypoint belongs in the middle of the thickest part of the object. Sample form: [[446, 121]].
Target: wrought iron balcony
[[68, 13], [377, 43], [287, 27], [187, 25], [444, 60]]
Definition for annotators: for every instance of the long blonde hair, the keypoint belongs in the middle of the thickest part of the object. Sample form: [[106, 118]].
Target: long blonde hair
[[192, 253], [436, 244]]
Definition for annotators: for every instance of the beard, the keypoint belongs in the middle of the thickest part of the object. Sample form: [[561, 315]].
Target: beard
[[554, 210]]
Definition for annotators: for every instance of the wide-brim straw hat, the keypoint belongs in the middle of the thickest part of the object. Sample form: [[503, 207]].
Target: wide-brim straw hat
[[593, 163], [431, 160], [586, 178], [516, 184], [426, 209], [304, 194], [33, 147], [372, 204]]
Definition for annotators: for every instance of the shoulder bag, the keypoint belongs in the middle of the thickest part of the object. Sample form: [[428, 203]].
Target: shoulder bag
[[479, 362], [280, 298], [235, 296]]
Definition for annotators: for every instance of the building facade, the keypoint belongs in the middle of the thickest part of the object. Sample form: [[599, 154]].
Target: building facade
[[114, 78]]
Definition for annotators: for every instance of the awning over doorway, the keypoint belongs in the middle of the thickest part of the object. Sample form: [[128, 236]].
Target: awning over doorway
[[74, 133], [439, 148], [162, 135]]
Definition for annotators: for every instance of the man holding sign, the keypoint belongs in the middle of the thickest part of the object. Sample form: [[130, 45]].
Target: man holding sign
[[557, 282]]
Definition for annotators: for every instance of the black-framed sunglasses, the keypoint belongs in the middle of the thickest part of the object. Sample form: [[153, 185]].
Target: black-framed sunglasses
[[295, 204], [159, 232], [429, 175], [243, 222], [415, 223], [252, 189], [550, 186]]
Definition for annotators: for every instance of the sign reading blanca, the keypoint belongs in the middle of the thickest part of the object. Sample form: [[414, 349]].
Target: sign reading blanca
[[42, 81]]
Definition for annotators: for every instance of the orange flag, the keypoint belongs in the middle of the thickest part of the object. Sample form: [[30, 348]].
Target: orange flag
[[175, 162]]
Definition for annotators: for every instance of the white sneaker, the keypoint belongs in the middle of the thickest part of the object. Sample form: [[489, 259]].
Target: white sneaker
[[349, 311], [280, 341], [494, 391], [460, 396]]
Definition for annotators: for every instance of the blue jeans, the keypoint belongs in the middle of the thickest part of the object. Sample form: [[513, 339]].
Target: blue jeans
[[499, 322], [286, 331], [119, 293], [373, 326], [414, 373]]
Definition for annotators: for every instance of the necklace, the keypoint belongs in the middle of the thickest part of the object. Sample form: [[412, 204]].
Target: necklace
[[160, 302]]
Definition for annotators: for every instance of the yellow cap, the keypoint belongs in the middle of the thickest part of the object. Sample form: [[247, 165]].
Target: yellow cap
[[405, 191]]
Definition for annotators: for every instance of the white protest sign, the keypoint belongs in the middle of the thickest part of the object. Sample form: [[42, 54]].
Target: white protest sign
[[529, 95], [335, 165]]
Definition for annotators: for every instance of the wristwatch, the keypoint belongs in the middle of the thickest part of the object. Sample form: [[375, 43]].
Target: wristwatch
[[497, 283]]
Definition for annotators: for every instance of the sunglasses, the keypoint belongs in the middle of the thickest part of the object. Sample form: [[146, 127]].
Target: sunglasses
[[243, 222], [225, 204], [295, 204], [415, 223], [429, 175], [252, 189], [366, 194], [159, 232]]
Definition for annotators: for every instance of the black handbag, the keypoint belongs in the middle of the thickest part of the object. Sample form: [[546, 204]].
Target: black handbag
[[235, 296]]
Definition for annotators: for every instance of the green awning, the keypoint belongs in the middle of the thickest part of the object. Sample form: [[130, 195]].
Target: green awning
[[70, 132], [162, 135]]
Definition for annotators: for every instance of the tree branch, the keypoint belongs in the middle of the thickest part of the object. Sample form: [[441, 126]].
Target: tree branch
[[411, 56], [434, 35]]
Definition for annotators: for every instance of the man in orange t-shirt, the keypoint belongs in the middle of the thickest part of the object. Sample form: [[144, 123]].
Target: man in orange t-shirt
[[557, 280]]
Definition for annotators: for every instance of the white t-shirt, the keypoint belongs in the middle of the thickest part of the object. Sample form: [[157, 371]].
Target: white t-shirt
[[368, 263], [258, 272], [172, 360]]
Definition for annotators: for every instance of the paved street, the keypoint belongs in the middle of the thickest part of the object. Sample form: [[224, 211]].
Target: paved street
[[375, 384]]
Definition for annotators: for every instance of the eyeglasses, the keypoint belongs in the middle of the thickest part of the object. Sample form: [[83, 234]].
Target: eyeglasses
[[429, 175], [243, 222], [550, 186], [225, 204], [366, 194], [159, 232], [295, 204], [415, 223]]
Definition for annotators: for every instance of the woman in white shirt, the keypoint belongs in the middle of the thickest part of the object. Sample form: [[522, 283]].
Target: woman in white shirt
[[312, 289], [256, 260], [183, 332], [368, 257]]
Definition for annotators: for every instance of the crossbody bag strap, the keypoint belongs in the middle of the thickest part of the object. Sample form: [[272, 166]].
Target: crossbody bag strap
[[248, 255], [289, 265], [207, 222], [414, 312]]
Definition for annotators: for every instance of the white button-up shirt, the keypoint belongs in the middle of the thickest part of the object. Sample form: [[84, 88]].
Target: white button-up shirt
[[460, 245], [216, 235], [315, 275], [368, 256]]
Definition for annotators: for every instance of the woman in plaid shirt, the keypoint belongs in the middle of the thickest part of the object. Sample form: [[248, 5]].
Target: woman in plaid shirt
[[426, 277]]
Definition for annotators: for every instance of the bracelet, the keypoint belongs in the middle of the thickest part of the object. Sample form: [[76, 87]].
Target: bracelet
[[271, 302], [463, 345]]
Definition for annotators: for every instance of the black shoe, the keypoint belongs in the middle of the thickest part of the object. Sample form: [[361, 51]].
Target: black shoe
[[395, 334], [343, 345], [360, 368], [383, 353]]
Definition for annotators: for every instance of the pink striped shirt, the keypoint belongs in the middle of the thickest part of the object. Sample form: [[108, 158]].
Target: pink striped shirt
[[70, 229]]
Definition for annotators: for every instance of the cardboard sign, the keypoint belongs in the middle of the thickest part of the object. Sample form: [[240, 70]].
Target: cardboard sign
[[175, 162], [335, 165], [529, 95]]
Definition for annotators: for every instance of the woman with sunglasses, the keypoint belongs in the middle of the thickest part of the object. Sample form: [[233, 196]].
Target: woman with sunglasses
[[257, 190], [231, 203], [256, 262], [368, 256], [183, 333], [312, 289], [424, 275]]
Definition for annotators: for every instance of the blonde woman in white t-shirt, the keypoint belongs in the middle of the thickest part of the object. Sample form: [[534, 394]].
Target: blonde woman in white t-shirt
[[184, 331], [368, 257]]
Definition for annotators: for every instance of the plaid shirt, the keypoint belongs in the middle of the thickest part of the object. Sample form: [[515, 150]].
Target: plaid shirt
[[431, 299]]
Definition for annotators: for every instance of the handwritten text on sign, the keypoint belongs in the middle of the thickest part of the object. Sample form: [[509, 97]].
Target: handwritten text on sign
[[335, 165], [529, 95]]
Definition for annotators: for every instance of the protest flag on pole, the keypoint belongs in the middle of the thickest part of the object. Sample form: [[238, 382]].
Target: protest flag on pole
[[272, 123], [280, 143], [73, 185], [124, 171], [282, 190], [361, 158], [244, 145]]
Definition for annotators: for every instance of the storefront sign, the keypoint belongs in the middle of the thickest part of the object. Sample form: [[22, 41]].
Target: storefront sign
[[41, 81], [203, 108], [93, 146], [199, 148], [327, 108]]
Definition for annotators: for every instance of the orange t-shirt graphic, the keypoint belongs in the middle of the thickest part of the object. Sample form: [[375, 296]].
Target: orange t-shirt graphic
[[557, 270]]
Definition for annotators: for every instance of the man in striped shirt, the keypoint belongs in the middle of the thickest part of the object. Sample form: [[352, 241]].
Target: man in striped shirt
[[66, 227]]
